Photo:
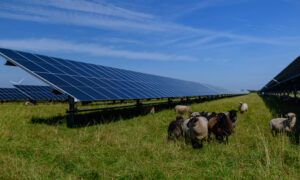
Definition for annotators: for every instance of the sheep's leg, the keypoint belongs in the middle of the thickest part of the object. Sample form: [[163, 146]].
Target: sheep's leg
[[186, 140], [226, 140], [219, 138], [208, 138], [273, 133], [170, 138], [196, 144]]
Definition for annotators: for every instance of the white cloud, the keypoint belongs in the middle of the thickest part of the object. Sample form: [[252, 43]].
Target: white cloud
[[112, 17], [92, 49], [99, 7]]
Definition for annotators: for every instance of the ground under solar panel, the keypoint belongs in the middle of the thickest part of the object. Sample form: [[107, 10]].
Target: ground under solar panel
[[40, 92], [9, 94], [89, 82]]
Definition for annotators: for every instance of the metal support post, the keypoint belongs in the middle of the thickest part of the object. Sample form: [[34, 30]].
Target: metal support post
[[72, 109], [295, 94], [169, 102]]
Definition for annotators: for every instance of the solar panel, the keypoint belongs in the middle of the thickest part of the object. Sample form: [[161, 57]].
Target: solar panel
[[9, 94], [40, 92], [89, 82], [292, 71]]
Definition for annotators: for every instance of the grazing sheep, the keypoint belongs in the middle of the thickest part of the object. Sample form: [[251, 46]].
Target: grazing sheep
[[198, 131], [243, 107], [181, 109], [175, 128], [152, 111], [283, 124], [28, 103], [232, 114], [221, 126]]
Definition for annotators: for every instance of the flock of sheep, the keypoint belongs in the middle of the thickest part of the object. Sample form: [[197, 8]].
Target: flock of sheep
[[199, 126]]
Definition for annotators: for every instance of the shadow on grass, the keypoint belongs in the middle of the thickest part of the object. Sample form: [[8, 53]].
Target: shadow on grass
[[280, 107], [98, 117], [111, 115]]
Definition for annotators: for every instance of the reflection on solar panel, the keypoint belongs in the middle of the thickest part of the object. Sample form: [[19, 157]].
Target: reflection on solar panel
[[9, 94], [40, 92], [89, 82]]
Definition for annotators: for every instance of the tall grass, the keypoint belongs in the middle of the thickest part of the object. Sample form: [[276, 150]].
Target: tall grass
[[137, 148]]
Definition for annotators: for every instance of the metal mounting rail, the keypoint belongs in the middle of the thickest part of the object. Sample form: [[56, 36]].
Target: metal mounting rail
[[117, 107]]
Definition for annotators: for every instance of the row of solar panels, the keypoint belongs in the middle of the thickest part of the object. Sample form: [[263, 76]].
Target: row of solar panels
[[25, 92], [90, 82], [292, 71]]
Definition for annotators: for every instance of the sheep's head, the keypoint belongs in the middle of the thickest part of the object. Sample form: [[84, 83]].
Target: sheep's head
[[179, 117], [220, 117], [233, 115], [290, 116], [192, 122], [204, 113], [211, 115]]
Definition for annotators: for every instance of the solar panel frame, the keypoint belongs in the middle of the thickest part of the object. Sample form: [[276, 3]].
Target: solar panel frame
[[89, 82]]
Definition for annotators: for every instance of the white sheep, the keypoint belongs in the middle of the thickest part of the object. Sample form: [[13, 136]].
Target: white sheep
[[197, 130], [243, 107], [283, 124], [180, 109]]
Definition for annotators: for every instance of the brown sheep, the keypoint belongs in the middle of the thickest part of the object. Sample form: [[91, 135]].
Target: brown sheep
[[175, 128], [221, 126]]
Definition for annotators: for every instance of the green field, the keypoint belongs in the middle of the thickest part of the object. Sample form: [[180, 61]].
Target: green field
[[34, 145]]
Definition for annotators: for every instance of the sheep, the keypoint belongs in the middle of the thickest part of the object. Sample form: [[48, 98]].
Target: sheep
[[283, 124], [221, 126], [175, 128], [181, 109], [197, 131], [152, 111], [243, 107], [232, 114], [28, 103]]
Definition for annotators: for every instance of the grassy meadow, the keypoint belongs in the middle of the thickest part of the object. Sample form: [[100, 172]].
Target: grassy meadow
[[32, 147]]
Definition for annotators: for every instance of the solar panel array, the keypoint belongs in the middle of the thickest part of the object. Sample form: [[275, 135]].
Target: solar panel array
[[9, 94], [89, 82], [292, 71], [40, 92]]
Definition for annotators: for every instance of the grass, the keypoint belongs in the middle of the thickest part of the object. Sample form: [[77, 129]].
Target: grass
[[136, 148]]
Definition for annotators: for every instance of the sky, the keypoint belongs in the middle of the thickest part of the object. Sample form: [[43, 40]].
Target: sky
[[234, 44]]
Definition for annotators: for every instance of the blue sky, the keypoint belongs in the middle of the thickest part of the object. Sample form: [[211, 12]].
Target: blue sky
[[235, 44]]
